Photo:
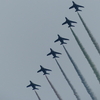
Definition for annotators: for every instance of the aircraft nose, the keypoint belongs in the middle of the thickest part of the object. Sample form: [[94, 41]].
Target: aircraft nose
[[30, 81], [40, 65], [66, 18]]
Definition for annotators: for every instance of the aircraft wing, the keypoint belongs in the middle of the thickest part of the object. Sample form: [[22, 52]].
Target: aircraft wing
[[28, 86], [49, 54], [80, 6], [39, 71], [37, 85], [56, 40], [73, 22], [65, 39], [48, 69], [64, 23], [57, 53], [71, 7]]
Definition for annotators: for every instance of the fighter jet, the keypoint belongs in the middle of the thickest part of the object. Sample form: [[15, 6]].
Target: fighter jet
[[44, 70], [69, 22], [33, 85], [61, 39], [53, 53], [76, 6]]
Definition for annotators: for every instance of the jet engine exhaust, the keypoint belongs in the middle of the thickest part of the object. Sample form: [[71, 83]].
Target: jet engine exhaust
[[71, 86], [87, 56], [89, 91], [90, 34], [58, 96], [37, 95]]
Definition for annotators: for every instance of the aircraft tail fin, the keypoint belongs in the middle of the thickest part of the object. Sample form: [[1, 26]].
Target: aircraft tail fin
[[63, 43], [55, 57], [71, 26], [46, 73], [78, 10]]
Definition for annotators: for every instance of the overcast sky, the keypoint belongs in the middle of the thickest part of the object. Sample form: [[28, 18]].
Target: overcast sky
[[28, 29]]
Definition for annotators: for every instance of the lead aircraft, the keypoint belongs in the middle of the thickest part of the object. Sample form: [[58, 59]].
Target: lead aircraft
[[76, 6]]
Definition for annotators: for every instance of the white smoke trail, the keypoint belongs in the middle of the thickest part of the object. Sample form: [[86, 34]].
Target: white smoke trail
[[71, 86], [90, 34], [89, 90], [87, 57], [37, 95], [58, 96]]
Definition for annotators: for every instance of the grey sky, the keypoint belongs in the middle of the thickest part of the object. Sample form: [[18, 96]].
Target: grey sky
[[28, 29]]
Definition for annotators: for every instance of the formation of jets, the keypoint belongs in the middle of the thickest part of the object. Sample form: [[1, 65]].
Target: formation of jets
[[76, 6], [44, 70], [33, 85], [61, 39], [53, 53], [69, 22]]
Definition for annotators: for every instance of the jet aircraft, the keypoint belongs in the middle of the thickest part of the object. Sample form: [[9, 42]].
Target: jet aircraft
[[44, 70], [76, 6], [61, 39], [69, 22], [33, 85], [53, 53]]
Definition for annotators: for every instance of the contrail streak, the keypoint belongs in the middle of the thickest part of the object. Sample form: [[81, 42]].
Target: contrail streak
[[90, 34], [71, 86], [87, 57], [53, 88], [81, 76], [37, 95]]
